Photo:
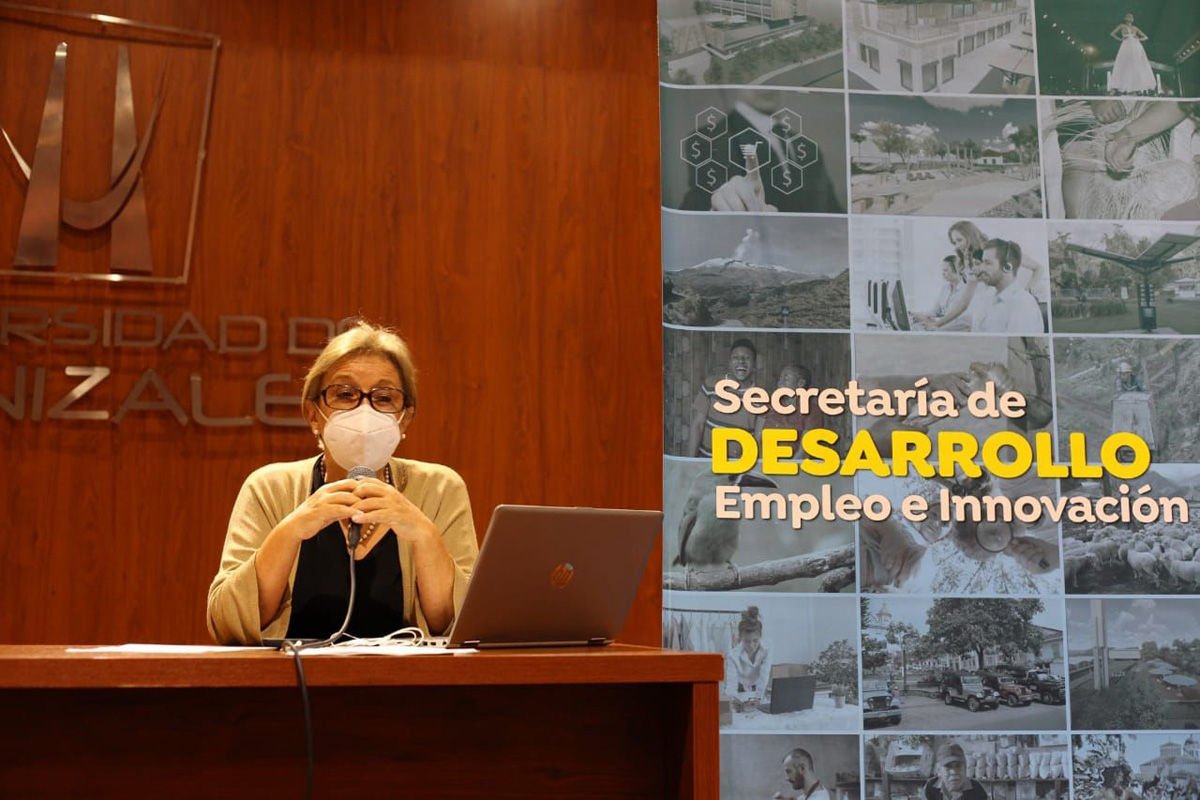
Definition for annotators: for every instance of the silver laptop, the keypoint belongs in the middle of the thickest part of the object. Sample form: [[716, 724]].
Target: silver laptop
[[551, 576]]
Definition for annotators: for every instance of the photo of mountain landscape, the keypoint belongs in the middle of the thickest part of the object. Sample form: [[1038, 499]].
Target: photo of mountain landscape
[[756, 272]]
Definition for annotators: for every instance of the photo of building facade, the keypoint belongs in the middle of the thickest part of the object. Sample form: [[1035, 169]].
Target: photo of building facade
[[778, 42], [985, 46], [1174, 760]]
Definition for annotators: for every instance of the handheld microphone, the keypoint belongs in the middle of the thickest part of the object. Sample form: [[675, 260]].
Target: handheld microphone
[[353, 529]]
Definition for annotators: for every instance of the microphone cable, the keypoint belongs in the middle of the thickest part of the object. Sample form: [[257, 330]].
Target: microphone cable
[[295, 648], [353, 535]]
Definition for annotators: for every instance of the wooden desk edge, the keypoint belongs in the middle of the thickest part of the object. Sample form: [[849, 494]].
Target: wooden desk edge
[[52, 667]]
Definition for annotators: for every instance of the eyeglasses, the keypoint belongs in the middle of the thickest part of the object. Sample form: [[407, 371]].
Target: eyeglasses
[[344, 397]]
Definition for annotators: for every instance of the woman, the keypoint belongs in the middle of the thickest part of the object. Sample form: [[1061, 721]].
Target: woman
[[284, 568], [1132, 73], [954, 286], [968, 241], [748, 664]]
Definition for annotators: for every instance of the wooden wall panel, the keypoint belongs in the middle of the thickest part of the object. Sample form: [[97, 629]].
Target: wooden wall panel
[[481, 174]]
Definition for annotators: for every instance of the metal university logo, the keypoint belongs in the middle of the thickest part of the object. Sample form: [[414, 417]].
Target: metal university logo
[[104, 233]]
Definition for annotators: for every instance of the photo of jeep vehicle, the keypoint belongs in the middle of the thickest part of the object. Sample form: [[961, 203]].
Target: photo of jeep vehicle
[[923, 651], [1048, 689], [879, 706], [1011, 693], [967, 688]]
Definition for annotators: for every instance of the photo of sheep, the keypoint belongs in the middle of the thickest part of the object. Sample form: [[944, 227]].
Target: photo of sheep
[[1134, 663], [1132, 558]]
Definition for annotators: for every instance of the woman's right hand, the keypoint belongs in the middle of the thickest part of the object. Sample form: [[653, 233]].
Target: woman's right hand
[[330, 503]]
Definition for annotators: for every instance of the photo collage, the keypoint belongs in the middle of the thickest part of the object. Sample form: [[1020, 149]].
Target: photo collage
[[968, 191]]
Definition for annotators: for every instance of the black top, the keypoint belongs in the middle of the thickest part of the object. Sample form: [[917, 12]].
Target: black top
[[322, 586]]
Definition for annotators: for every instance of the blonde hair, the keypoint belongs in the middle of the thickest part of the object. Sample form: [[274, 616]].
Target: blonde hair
[[365, 339], [750, 623]]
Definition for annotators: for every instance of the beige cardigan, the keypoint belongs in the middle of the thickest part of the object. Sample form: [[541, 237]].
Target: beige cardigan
[[274, 491]]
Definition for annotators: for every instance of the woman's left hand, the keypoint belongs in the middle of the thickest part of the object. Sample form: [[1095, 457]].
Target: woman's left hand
[[384, 505]]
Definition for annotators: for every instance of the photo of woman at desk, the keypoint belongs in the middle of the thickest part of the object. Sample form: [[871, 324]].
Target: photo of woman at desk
[[788, 664], [748, 664], [284, 568]]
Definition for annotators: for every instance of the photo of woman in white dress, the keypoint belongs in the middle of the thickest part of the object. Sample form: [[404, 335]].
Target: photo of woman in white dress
[[1153, 56], [1131, 72]]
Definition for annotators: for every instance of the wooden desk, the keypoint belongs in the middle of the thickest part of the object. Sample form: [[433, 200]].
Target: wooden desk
[[613, 722]]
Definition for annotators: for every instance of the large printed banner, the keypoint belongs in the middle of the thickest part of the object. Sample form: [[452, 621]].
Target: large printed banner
[[931, 331]]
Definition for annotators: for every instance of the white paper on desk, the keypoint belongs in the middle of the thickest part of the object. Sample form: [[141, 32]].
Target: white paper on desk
[[160, 649], [385, 650]]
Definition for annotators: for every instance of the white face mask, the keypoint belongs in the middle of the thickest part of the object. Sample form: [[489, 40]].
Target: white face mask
[[361, 437]]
